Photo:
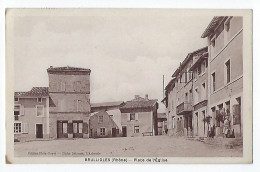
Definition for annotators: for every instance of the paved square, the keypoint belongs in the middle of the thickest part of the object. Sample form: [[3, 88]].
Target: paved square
[[150, 146]]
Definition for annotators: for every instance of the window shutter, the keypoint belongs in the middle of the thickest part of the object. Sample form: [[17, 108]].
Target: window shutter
[[21, 110], [74, 86], [236, 114], [85, 127], [128, 116], [75, 105], [136, 116], [79, 86], [25, 127], [70, 128]]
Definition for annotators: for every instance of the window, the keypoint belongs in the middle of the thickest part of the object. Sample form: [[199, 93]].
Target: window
[[213, 80], [65, 127], [17, 109], [196, 96], [62, 86], [77, 104], [213, 43], [102, 131], [195, 74], [16, 99], [227, 67], [78, 84], [199, 69], [39, 111], [100, 118], [17, 127], [136, 129], [80, 127], [75, 127], [203, 66], [227, 25], [39, 100], [132, 116], [203, 91]]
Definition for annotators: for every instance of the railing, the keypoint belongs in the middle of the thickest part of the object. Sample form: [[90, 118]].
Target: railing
[[183, 108]]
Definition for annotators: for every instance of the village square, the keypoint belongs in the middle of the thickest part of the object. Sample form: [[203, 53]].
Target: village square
[[202, 102]]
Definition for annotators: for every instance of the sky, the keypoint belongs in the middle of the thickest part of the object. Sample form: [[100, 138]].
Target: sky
[[127, 54]]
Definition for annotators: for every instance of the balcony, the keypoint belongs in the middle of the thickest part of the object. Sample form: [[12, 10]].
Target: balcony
[[183, 108]]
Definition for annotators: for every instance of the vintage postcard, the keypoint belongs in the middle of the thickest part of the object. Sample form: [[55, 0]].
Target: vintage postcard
[[128, 86]]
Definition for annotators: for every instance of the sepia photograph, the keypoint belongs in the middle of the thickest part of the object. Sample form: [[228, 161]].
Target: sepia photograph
[[128, 86]]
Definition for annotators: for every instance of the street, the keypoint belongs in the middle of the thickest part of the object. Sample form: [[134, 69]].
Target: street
[[150, 146]]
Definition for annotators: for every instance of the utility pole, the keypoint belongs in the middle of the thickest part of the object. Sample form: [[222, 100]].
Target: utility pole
[[163, 87]]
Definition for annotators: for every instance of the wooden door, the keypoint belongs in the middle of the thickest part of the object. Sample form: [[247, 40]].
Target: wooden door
[[39, 131], [124, 134], [59, 129], [113, 132]]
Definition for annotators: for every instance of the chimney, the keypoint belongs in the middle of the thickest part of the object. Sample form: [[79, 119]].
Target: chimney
[[137, 96], [146, 97]]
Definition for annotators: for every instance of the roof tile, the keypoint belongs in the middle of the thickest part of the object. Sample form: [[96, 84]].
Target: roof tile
[[34, 92]]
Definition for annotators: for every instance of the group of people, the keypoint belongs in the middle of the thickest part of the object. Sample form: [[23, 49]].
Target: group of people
[[227, 131]]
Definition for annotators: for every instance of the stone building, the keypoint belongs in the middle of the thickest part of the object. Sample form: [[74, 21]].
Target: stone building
[[139, 117], [162, 123], [69, 92], [225, 72], [208, 86], [179, 97], [183, 99], [199, 69], [31, 114], [101, 124], [112, 108]]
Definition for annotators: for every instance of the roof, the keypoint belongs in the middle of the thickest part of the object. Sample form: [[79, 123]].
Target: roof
[[161, 115], [170, 83], [212, 25], [139, 103], [188, 58], [99, 112], [164, 99], [34, 92], [67, 69], [201, 58], [106, 104]]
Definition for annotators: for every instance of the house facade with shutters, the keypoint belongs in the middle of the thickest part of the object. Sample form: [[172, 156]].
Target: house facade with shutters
[[69, 93], [139, 117], [179, 96], [215, 91], [102, 125], [225, 41], [199, 69], [31, 114], [112, 108]]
